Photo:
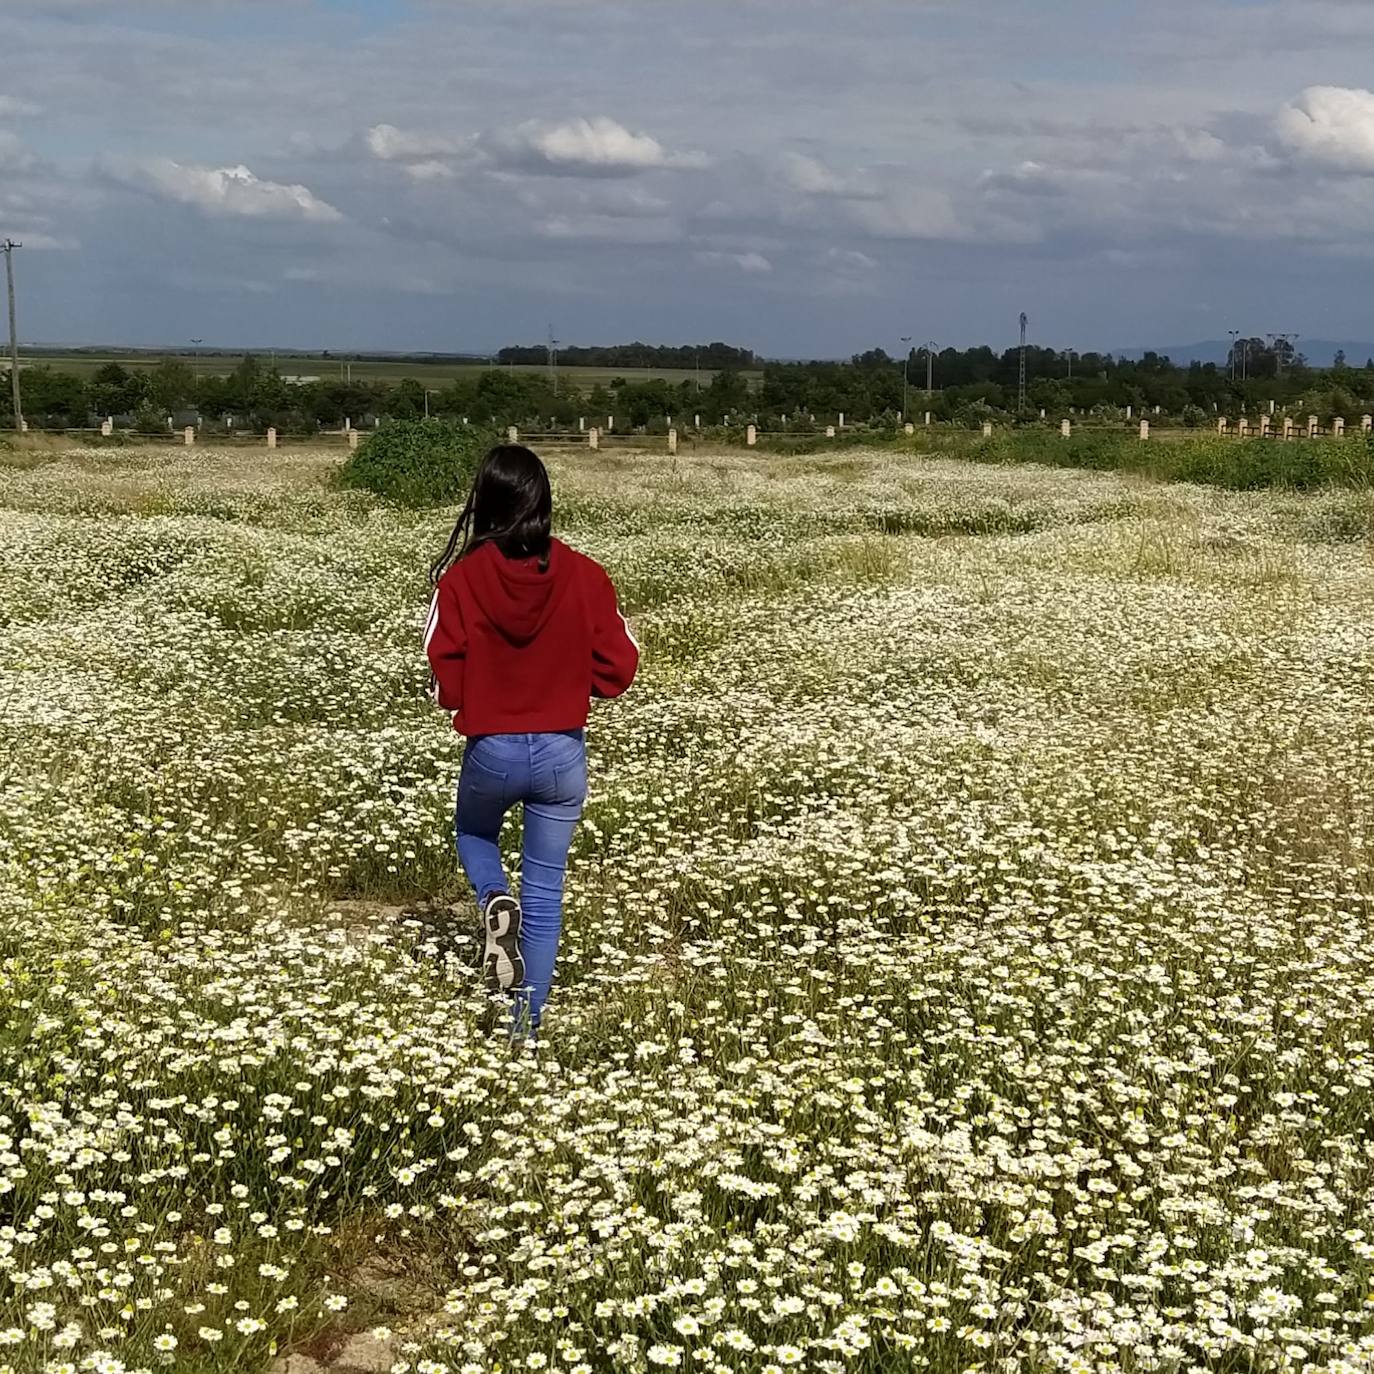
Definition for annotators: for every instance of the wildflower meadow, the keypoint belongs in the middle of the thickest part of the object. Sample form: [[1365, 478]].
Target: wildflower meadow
[[967, 965]]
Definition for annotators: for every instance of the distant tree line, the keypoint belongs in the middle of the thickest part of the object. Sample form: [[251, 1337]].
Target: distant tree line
[[711, 356], [967, 385]]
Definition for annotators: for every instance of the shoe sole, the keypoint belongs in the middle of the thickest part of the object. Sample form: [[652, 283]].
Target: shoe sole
[[504, 967]]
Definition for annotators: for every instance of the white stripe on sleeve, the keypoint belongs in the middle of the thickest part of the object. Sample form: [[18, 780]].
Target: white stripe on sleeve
[[432, 623]]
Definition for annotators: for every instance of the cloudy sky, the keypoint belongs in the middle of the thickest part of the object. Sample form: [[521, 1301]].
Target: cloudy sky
[[808, 177]]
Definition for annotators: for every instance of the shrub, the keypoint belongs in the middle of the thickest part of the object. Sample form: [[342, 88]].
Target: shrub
[[418, 462], [1245, 465]]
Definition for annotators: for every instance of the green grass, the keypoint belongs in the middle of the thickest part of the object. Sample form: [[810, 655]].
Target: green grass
[[1204, 458]]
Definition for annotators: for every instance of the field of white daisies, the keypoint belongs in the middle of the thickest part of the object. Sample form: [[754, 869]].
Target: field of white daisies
[[967, 966]]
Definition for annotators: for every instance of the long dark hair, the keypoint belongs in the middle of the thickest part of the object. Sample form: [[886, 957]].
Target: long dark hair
[[510, 505]]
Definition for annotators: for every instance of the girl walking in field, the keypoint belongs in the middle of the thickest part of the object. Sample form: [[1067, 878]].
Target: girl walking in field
[[523, 631]]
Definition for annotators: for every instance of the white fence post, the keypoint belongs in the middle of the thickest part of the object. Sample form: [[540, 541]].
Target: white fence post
[[107, 426], [1338, 428], [830, 431], [352, 438], [751, 436], [672, 441], [271, 438], [189, 436], [593, 437], [512, 435], [909, 427], [1144, 429], [987, 429], [1065, 429]]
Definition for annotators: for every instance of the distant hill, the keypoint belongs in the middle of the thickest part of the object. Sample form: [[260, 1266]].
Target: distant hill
[[1318, 352]]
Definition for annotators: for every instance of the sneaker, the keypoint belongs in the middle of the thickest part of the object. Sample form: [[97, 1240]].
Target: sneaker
[[501, 963]]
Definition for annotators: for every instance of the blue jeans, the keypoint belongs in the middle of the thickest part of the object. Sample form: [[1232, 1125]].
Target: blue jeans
[[548, 773]]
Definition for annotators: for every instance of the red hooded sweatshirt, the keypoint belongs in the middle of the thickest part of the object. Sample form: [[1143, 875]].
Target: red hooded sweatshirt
[[519, 650]]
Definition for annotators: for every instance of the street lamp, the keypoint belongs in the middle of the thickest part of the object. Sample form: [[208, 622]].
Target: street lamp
[[1235, 336], [906, 363], [930, 366]]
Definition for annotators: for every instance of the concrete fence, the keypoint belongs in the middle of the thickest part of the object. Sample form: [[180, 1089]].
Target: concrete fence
[[1263, 426]]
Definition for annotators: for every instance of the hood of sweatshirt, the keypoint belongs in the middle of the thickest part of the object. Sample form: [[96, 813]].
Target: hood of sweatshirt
[[515, 594]]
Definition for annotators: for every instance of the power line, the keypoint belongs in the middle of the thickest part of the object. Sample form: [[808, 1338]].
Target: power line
[[8, 249]]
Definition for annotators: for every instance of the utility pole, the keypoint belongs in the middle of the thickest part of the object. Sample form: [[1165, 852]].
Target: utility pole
[[930, 366], [1021, 389], [1235, 348], [8, 250], [1070, 364], [553, 360], [906, 363]]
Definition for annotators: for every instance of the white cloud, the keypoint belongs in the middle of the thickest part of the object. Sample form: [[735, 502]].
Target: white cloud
[[584, 147], [850, 259], [1029, 178], [1332, 126], [11, 107], [224, 191], [812, 177], [390, 144], [1201, 145], [909, 214], [612, 199], [593, 228], [431, 169], [746, 262], [13, 155]]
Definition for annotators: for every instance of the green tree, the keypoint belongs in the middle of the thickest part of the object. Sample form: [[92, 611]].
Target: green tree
[[113, 390], [406, 401], [51, 397], [172, 385]]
